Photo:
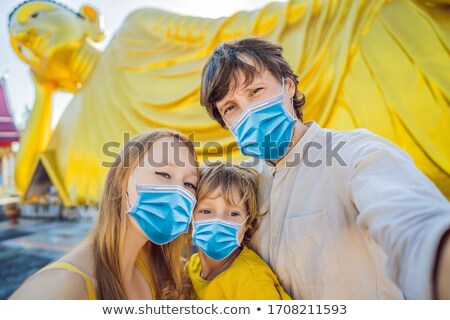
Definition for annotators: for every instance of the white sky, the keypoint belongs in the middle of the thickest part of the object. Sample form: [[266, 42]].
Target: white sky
[[19, 85]]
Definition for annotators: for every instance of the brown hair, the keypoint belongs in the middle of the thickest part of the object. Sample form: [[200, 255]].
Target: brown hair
[[220, 71], [228, 178], [164, 262]]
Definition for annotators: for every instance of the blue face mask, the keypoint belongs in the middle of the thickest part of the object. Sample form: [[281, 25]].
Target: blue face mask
[[162, 212], [216, 238], [265, 130]]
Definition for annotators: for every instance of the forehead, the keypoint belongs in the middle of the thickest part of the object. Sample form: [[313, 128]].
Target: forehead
[[32, 7], [240, 82], [230, 199], [22, 13], [169, 151]]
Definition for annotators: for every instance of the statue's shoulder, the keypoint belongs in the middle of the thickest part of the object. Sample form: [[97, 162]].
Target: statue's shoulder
[[143, 15]]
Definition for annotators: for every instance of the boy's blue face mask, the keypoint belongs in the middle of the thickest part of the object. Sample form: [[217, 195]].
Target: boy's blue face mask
[[216, 238], [265, 130], [162, 212]]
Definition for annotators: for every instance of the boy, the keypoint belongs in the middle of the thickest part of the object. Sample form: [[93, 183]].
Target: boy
[[225, 218]]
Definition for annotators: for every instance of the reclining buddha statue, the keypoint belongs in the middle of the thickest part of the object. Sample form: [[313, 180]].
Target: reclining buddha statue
[[377, 64]]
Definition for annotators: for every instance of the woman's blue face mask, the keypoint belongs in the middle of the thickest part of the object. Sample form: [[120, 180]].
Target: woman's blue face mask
[[163, 212], [264, 130]]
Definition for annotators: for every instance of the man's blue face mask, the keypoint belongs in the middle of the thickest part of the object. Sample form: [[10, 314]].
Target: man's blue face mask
[[265, 130], [162, 212]]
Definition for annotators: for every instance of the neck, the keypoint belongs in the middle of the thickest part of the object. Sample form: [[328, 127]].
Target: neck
[[133, 243], [83, 61], [299, 131], [212, 268]]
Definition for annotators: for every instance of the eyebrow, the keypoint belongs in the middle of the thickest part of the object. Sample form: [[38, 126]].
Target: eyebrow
[[223, 105], [240, 208], [192, 172], [256, 83]]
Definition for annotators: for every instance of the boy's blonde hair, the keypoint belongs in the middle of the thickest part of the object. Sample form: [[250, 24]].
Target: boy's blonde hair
[[228, 178]]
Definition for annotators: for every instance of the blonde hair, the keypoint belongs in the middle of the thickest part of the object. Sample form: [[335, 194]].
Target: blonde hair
[[164, 262], [227, 178]]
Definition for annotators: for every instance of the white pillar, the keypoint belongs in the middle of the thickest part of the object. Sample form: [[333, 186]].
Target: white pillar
[[11, 168], [5, 171]]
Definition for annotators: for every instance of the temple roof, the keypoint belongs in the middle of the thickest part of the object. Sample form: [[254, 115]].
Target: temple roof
[[8, 130]]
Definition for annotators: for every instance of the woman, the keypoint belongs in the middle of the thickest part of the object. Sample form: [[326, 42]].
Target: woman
[[144, 215]]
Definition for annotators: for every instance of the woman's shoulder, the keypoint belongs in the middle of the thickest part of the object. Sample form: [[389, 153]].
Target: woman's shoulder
[[82, 259], [52, 284], [62, 279]]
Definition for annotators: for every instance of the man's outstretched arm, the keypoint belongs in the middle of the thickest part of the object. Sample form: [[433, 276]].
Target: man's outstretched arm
[[404, 213]]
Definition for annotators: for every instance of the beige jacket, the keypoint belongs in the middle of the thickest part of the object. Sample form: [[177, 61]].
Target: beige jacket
[[346, 212]]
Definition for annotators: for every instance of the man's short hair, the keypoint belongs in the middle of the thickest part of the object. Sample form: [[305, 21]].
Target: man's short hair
[[220, 72]]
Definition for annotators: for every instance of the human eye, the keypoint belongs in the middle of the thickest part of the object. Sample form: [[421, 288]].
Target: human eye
[[228, 109], [205, 211], [234, 213], [163, 174], [255, 91], [190, 185]]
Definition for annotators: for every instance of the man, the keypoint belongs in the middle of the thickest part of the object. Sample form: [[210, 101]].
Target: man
[[342, 206]]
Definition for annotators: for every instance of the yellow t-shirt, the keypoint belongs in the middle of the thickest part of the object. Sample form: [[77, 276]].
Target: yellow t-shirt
[[247, 278], [140, 264]]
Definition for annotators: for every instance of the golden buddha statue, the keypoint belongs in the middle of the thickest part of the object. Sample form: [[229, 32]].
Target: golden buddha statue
[[57, 44]]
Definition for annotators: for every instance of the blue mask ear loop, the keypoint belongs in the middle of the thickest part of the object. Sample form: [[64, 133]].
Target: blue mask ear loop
[[127, 195], [134, 179], [293, 115], [240, 242]]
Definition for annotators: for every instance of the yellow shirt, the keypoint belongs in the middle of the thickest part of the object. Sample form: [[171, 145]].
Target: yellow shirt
[[247, 278], [140, 263]]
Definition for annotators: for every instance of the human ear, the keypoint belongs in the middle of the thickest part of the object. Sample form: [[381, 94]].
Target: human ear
[[291, 87], [95, 22]]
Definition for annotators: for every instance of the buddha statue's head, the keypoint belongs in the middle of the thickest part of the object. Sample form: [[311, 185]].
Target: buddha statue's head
[[47, 35]]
